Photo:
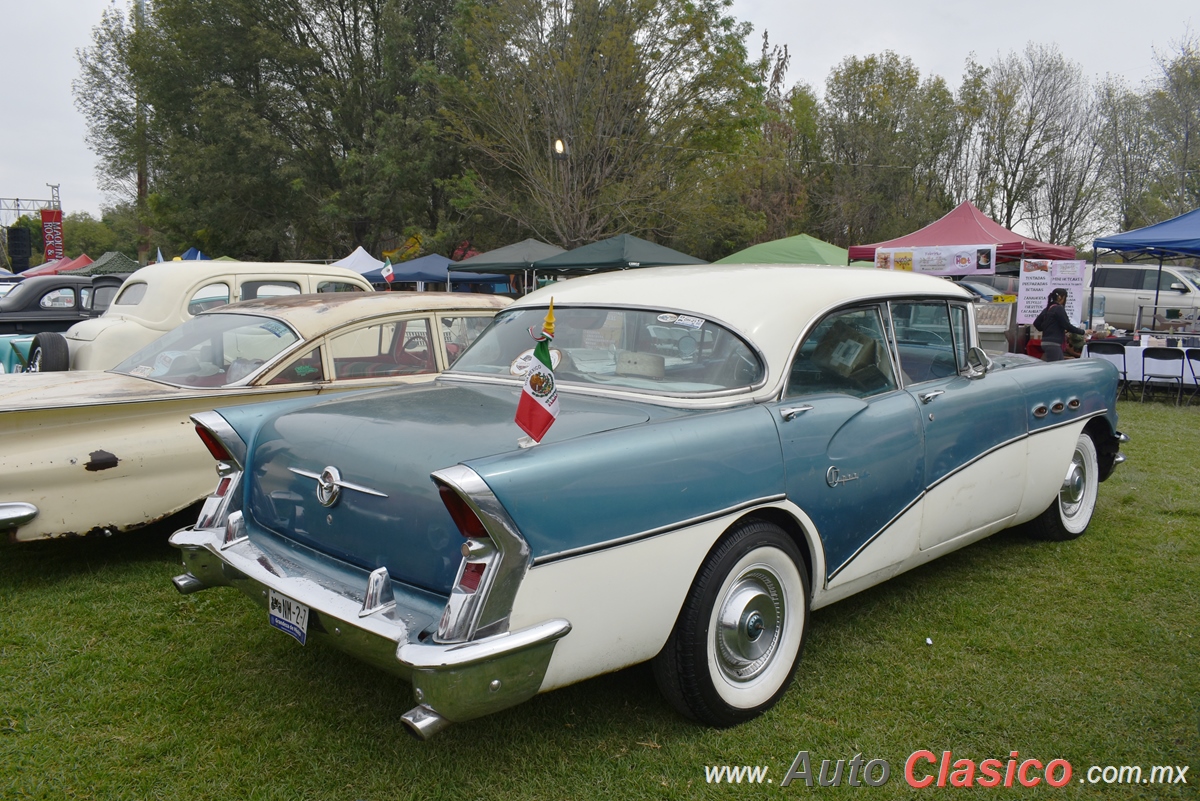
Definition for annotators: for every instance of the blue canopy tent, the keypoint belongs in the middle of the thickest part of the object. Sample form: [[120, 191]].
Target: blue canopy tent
[[431, 269], [1176, 238], [194, 254]]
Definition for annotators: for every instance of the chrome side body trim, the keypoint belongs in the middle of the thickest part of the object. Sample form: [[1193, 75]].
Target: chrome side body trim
[[16, 514], [654, 532]]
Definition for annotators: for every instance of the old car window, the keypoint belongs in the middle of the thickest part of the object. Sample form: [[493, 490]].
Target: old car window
[[61, 298], [384, 349], [958, 319], [85, 297], [652, 351], [846, 353], [212, 350], [205, 298], [103, 297], [131, 294], [268, 289], [337, 286], [302, 370], [459, 332], [924, 340]]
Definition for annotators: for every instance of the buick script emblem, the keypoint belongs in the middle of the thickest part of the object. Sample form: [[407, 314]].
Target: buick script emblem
[[330, 485], [834, 477]]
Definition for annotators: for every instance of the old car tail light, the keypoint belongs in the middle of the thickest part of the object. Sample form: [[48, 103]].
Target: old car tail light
[[223, 487], [472, 574], [214, 445], [469, 524]]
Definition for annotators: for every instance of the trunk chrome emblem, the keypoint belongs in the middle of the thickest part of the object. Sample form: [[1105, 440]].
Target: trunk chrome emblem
[[330, 485]]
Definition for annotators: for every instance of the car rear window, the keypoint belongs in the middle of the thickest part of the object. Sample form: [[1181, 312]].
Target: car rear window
[[131, 295], [652, 351]]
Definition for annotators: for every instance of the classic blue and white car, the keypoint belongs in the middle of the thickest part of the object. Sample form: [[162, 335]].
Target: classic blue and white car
[[735, 447]]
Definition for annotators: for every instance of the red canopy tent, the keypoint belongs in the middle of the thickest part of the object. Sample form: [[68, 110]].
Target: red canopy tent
[[59, 267], [967, 225]]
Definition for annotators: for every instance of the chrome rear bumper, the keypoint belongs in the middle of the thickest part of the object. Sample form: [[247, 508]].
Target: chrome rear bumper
[[452, 682]]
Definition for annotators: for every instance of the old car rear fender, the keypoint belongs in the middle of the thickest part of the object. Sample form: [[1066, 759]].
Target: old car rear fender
[[379, 449], [609, 489], [1062, 392]]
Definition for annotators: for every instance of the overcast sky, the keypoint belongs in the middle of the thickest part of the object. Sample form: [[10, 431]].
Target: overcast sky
[[42, 134]]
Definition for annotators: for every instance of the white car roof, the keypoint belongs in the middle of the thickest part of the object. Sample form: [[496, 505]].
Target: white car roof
[[768, 303], [167, 283], [313, 315]]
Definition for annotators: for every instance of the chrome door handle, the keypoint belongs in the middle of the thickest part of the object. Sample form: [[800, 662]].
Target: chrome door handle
[[792, 412], [926, 397]]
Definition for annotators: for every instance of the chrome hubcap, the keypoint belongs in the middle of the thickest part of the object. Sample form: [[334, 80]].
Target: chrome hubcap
[[1074, 487], [749, 624]]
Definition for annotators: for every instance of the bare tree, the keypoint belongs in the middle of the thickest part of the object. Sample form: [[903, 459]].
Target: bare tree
[[1125, 138], [1175, 112]]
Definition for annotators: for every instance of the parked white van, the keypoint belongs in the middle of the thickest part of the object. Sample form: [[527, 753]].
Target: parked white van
[[1128, 286]]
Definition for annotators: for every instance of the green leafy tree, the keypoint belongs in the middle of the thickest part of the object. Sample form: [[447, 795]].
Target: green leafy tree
[[1174, 106], [648, 99]]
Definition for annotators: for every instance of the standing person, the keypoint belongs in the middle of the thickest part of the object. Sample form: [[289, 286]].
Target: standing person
[[1054, 325]]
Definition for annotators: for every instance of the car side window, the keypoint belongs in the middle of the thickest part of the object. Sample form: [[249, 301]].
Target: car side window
[[302, 370], [85, 297], [925, 341], [337, 286], [61, 298], [846, 353], [962, 334], [1118, 279], [205, 298], [383, 349], [103, 297], [268, 289], [459, 332]]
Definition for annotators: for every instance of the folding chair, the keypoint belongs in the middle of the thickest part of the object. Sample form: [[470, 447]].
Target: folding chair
[[1161, 365], [1113, 352], [1193, 358]]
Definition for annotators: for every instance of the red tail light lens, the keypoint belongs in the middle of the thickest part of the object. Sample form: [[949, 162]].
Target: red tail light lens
[[223, 487], [472, 575], [214, 445], [469, 525]]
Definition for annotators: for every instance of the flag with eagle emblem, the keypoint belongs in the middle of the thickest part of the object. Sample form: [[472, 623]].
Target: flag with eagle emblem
[[538, 407]]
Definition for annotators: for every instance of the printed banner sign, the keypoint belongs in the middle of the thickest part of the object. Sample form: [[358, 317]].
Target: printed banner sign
[[52, 234], [942, 260], [1039, 277]]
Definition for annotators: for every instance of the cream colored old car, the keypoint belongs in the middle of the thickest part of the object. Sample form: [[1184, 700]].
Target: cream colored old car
[[157, 298], [89, 452]]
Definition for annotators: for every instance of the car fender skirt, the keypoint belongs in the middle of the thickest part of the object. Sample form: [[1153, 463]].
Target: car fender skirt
[[462, 681], [15, 514]]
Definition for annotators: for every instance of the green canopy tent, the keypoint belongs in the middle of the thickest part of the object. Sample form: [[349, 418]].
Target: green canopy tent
[[110, 263], [801, 249], [510, 258], [616, 253]]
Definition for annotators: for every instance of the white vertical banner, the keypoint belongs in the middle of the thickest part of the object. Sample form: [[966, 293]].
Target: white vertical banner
[[1041, 276]]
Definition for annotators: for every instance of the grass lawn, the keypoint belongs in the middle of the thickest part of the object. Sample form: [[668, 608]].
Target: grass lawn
[[113, 686]]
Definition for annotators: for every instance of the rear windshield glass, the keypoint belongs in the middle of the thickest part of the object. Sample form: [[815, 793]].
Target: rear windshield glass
[[131, 295], [635, 349], [212, 350]]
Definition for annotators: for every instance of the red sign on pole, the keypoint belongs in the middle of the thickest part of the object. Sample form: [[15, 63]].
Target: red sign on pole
[[52, 237]]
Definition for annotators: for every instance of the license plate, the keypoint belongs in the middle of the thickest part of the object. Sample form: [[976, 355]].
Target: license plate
[[290, 617]]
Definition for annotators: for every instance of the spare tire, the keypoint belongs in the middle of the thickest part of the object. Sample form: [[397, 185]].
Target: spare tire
[[49, 353]]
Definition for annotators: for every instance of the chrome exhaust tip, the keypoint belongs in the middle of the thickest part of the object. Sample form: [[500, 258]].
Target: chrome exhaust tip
[[422, 722], [187, 584]]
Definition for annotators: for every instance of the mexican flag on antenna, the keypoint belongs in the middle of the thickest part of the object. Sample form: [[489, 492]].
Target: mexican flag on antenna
[[538, 407], [388, 273]]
